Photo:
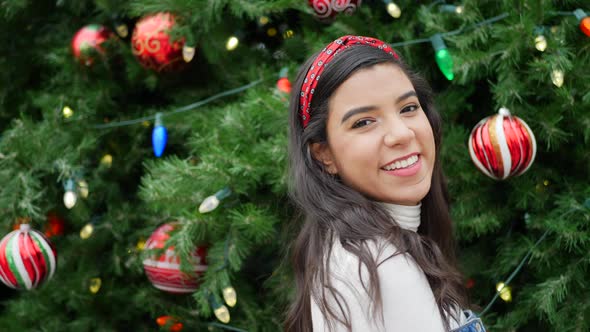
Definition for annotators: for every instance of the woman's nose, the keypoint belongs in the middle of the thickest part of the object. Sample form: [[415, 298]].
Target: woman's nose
[[397, 133]]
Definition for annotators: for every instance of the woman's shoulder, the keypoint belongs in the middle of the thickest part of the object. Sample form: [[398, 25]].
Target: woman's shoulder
[[381, 250]]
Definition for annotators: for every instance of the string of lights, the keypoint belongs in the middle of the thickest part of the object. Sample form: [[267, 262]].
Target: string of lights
[[514, 273], [186, 108]]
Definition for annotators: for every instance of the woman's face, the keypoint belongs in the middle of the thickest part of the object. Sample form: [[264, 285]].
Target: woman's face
[[380, 142]]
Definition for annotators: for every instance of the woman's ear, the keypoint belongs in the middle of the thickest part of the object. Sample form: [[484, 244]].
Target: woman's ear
[[322, 153]]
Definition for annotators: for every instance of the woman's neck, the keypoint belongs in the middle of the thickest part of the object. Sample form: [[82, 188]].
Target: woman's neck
[[408, 217]]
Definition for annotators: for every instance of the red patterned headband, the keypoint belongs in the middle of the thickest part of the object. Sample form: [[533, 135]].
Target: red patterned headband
[[327, 54]]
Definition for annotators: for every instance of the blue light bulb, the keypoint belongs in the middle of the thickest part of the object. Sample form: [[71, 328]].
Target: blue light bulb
[[159, 136]]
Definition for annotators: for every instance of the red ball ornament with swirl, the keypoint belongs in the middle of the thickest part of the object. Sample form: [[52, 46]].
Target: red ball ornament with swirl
[[328, 9], [27, 258], [164, 270], [152, 46], [86, 43], [502, 145]]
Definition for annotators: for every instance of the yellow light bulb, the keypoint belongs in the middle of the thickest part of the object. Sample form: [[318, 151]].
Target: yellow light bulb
[[122, 30], [540, 43], [107, 160], [67, 112], [86, 231], [83, 188], [263, 20], [229, 296], [140, 244], [188, 53], [288, 34], [271, 32], [70, 199], [232, 43], [222, 314], [505, 291], [95, 284], [394, 10], [557, 77]]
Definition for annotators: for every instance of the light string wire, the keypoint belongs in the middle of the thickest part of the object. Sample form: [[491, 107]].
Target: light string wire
[[226, 327], [488, 21], [186, 108], [515, 272]]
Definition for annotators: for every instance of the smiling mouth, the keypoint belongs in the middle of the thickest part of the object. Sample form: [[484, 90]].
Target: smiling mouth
[[401, 164]]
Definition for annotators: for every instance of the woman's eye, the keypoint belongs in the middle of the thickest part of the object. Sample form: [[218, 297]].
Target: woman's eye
[[410, 108], [361, 123]]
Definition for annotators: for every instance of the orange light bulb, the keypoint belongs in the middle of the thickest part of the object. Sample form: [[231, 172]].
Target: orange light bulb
[[585, 25]]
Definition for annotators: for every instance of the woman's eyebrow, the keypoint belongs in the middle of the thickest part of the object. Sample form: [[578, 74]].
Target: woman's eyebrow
[[406, 96], [357, 110], [364, 109]]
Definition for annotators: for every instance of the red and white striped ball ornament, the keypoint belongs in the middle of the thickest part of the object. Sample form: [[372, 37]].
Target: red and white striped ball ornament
[[502, 145], [27, 258], [328, 9], [164, 271]]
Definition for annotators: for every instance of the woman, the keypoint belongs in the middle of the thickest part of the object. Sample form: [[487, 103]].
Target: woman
[[376, 250]]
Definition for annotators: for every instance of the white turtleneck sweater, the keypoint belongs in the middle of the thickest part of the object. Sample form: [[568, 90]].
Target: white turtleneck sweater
[[408, 301]]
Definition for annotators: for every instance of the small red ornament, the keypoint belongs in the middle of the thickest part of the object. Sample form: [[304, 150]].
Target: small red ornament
[[152, 45], [164, 271], [87, 41], [27, 258], [502, 145], [173, 323], [328, 9], [55, 225], [470, 283]]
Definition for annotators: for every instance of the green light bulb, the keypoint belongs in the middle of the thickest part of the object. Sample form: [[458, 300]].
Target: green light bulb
[[442, 56], [445, 63]]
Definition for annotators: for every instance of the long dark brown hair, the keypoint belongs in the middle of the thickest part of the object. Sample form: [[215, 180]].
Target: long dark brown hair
[[334, 211]]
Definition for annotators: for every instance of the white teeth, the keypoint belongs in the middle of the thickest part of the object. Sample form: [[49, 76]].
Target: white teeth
[[402, 164]]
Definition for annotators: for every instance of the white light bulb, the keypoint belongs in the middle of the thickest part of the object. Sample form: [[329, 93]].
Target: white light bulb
[[70, 199], [557, 77], [209, 204], [394, 10], [232, 43], [540, 43], [459, 10]]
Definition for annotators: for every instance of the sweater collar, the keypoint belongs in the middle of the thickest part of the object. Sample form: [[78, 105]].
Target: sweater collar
[[408, 217]]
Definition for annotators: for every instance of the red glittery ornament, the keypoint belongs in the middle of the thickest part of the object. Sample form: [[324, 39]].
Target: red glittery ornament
[[502, 145], [86, 43], [164, 270], [152, 46], [328, 9]]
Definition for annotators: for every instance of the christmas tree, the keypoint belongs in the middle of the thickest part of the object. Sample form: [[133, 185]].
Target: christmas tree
[[150, 137]]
